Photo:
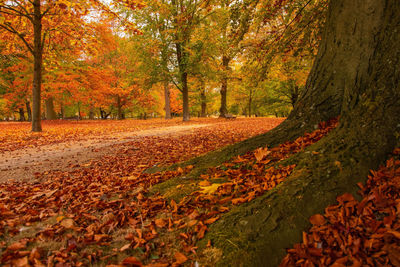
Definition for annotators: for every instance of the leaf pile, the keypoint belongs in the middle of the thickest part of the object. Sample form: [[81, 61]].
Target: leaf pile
[[17, 135], [353, 233], [102, 213], [85, 207]]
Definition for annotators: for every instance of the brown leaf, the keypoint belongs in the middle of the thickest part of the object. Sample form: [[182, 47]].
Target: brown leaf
[[67, 223], [260, 153], [21, 262], [317, 219], [16, 246], [205, 183], [134, 262], [161, 223], [211, 220], [180, 258], [125, 247]]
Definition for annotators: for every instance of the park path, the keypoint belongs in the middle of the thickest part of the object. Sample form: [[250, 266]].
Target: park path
[[21, 165]]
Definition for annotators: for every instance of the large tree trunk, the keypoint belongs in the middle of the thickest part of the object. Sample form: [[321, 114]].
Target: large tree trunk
[[38, 65], [356, 76], [50, 112], [223, 110], [167, 106]]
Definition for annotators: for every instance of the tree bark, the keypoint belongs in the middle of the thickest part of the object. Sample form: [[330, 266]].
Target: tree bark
[[167, 106], [181, 57], [119, 108], [203, 99], [91, 113], [21, 114], [38, 66], [356, 76], [223, 110], [28, 110], [62, 112], [50, 112]]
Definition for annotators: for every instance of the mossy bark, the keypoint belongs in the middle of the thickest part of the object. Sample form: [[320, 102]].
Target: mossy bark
[[355, 75]]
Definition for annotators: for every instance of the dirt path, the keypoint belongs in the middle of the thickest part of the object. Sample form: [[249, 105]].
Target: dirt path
[[21, 165]]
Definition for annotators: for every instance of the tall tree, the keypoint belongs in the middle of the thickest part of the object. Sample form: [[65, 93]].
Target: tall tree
[[234, 20], [355, 76], [17, 16]]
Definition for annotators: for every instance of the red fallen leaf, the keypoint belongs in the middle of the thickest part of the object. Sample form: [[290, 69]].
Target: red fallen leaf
[[16, 246], [194, 215], [174, 206], [21, 262], [98, 238], [201, 232], [38, 263], [211, 220], [346, 197], [130, 236], [205, 183], [161, 223], [192, 222], [238, 201], [185, 236], [395, 233], [180, 258], [132, 261], [260, 153], [158, 264], [34, 254], [317, 219]]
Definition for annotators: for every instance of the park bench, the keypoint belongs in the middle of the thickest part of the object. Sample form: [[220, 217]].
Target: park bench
[[230, 117]]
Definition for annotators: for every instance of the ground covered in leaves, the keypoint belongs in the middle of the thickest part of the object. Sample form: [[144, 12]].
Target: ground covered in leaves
[[111, 211]]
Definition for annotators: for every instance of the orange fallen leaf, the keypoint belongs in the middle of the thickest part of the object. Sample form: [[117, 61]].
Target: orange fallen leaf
[[317, 219], [16, 246], [161, 223], [132, 261], [211, 220], [180, 258]]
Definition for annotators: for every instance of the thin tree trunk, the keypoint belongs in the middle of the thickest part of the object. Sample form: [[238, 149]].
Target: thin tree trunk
[[91, 113], [167, 99], [119, 108], [50, 112], [250, 103], [181, 57], [79, 111], [38, 65], [21, 114], [62, 112], [223, 110], [185, 96], [203, 104], [28, 110]]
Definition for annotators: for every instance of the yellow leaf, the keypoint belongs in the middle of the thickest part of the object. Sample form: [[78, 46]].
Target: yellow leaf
[[68, 223], [209, 189], [60, 218], [260, 153]]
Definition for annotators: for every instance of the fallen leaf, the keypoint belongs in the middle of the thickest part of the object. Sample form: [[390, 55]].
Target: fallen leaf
[[180, 258], [317, 219]]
